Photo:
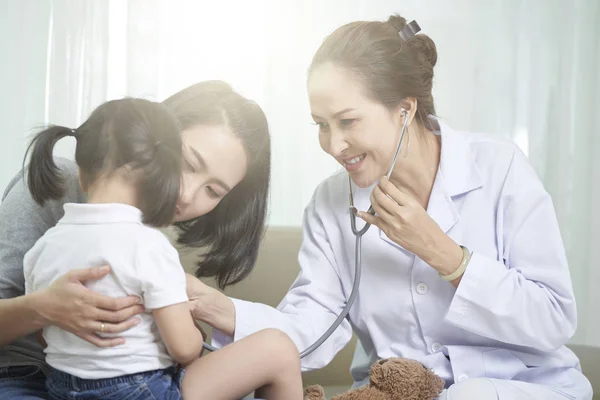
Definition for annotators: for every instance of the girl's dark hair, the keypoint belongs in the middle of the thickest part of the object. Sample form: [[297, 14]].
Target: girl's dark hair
[[390, 68], [232, 232], [136, 137]]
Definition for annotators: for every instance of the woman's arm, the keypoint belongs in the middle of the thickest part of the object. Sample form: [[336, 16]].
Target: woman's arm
[[308, 309], [211, 306], [23, 316], [71, 306], [404, 220], [527, 299], [67, 303]]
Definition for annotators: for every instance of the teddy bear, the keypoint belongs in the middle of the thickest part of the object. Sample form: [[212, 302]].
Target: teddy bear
[[390, 379]]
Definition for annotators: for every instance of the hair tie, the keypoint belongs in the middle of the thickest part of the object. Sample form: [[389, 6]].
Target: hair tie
[[409, 31]]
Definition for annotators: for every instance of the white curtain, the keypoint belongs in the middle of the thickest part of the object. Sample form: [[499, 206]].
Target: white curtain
[[23, 44], [53, 70], [528, 70]]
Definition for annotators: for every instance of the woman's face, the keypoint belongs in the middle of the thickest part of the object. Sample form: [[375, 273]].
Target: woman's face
[[215, 161], [360, 133]]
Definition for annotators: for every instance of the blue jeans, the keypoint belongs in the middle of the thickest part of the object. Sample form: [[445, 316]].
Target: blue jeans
[[23, 383], [152, 385]]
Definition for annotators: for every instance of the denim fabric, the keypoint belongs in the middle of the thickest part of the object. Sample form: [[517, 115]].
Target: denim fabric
[[22, 383], [152, 385]]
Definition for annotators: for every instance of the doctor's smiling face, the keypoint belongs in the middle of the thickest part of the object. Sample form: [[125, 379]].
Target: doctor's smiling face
[[359, 132], [360, 78]]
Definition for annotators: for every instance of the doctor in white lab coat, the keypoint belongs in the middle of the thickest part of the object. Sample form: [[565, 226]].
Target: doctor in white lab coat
[[464, 269]]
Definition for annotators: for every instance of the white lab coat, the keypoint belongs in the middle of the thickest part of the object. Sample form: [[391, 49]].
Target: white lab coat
[[510, 316]]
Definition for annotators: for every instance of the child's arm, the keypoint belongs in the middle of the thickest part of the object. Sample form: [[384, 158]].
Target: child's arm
[[164, 292], [179, 333]]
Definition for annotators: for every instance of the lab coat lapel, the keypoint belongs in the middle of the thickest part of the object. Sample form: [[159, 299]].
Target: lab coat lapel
[[441, 208], [457, 163], [457, 175]]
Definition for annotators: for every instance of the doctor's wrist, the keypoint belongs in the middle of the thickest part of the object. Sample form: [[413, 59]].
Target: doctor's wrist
[[447, 258], [218, 311]]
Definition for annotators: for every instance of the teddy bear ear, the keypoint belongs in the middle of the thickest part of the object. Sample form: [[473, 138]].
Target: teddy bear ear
[[377, 374], [314, 392]]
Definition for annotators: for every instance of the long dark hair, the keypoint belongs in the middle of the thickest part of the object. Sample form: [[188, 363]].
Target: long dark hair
[[140, 135], [232, 232]]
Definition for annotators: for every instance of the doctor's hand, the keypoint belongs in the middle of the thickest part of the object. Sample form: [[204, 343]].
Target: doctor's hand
[[404, 221], [209, 305]]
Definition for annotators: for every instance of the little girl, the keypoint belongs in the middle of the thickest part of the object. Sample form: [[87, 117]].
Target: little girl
[[129, 155]]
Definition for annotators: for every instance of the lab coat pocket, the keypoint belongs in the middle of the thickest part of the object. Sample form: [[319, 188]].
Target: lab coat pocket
[[502, 364]]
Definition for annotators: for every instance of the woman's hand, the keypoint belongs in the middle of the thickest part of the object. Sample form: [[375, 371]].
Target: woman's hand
[[68, 304], [405, 222], [210, 306]]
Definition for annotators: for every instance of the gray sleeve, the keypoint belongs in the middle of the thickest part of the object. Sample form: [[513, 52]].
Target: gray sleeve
[[23, 222]]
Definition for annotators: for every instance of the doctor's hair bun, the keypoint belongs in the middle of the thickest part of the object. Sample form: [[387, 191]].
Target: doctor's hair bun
[[420, 45], [397, 22], [389, 69]]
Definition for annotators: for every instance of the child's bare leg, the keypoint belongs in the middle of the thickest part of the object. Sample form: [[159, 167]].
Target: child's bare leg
[[268, 360]]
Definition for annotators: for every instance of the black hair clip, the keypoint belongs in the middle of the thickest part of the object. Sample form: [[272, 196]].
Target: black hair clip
[[410, 30]]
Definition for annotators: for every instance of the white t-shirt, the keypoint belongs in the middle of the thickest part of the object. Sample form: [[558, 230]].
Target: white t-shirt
[[143, 263]]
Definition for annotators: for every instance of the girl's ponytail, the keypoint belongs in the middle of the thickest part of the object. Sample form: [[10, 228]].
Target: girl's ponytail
[[43, 176]]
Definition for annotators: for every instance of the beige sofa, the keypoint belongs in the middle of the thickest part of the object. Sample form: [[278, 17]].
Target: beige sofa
[[275, 271]]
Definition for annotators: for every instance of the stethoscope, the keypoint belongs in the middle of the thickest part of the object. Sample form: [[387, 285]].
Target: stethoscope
[[359, 233]]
